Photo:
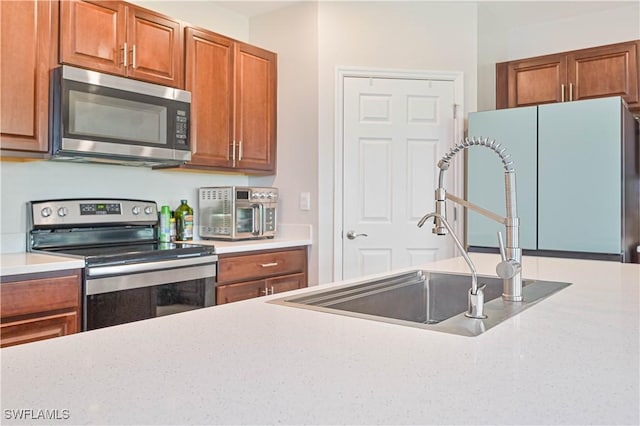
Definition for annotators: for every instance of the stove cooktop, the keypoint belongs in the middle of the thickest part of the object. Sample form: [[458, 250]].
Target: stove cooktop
[[137, 253]]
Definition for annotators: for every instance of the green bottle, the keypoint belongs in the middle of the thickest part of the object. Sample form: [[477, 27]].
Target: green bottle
[[184, 221], [164, 229]]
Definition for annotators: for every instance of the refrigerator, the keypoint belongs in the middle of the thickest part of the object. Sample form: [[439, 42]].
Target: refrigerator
[[577, 179]]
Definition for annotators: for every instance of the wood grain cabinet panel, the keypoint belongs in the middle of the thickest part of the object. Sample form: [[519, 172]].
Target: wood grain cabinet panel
[[233, 87], [41, 306], [245, 276], [605, 71], [611, 70], [209, 77], [119, 38], [28, 37]]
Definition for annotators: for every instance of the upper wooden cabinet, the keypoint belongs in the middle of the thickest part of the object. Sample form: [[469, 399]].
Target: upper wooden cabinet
[[29, 51], [233, 87], [611, 70], [119, 38]]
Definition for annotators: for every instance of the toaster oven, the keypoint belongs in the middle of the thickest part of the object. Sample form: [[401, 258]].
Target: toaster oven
[[237, 212]]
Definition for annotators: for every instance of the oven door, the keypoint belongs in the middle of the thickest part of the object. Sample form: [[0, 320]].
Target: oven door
[[125, 293], [255, 220]]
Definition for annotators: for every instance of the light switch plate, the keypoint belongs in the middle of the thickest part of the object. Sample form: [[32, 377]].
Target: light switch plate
[[305, 201]]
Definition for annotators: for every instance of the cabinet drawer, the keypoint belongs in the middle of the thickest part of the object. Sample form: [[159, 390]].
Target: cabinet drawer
[[38, 328], [39, 295], [261, 265]]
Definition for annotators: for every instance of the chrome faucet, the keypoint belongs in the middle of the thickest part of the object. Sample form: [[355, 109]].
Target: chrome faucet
[[476, 295], [509, 269]]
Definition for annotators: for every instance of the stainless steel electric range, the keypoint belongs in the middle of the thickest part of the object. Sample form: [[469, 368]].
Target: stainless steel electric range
[[128, 274]]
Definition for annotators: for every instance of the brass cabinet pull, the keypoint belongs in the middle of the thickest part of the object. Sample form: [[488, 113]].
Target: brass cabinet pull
[[240, 151], [269, 265], [562, 93], [124, 55], [570, 91], [133, 56]]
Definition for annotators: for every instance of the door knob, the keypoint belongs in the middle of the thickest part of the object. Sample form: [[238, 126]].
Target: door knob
[[352, 235]]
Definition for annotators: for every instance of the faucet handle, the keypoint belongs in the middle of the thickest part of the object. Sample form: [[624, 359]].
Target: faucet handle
[[508, 268], [503, 254]]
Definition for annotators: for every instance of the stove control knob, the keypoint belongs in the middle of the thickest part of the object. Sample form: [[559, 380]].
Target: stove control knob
[[63, 211], [135, 210], [148, 210], [46, 212], [271, 195]]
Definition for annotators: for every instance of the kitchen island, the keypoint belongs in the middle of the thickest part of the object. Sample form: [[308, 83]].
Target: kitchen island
[[573, 358]]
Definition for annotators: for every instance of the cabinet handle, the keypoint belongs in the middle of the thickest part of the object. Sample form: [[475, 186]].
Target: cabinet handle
[[272, 291], [133, 56], [264, 292], [269, 265], [240, 151], [124, 55], [570, 91], [562, 93], [233, 153]]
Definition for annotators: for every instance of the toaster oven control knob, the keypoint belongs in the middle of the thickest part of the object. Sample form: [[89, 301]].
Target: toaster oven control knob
[[135, 210], [148, 210], [63, 211], [46, 212]]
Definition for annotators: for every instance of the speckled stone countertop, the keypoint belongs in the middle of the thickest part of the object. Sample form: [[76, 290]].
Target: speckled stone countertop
[[27, 263], [570, 359]]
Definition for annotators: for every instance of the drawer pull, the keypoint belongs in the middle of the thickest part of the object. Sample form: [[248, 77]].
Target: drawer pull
[[269, 265]]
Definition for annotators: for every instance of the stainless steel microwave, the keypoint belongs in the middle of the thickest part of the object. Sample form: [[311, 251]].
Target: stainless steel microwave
[[99, 117], [237, 212]]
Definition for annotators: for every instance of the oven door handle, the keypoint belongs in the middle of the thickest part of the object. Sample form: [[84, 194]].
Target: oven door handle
[[256, 219], [100, 271]]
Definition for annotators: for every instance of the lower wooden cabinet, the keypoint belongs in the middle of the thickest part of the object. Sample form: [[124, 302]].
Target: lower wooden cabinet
[[255, 274], [39, 306]]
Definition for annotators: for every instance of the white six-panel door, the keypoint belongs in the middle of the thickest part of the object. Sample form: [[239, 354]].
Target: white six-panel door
[[395, 131]]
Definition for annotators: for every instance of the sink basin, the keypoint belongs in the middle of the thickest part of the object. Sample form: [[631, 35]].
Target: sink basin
[[431, 300]]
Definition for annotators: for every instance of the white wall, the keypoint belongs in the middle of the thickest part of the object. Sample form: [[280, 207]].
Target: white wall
[[498, 41], [204, 14], [384, 35], [41, 180]]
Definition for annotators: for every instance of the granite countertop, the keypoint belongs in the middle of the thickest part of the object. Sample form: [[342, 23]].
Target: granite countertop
[[31, 263], [570, 359], [27, 263]]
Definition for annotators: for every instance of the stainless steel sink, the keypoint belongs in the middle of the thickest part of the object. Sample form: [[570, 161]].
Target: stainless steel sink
[[431, 300]]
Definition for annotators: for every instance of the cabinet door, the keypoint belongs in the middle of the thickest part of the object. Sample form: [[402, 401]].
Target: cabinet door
[[605, 71], [536, 81], [240, 291], [29, 39], [209, 78], [255, 109], [37, 307], [155, 44], [92, 35], [290, 282], [579, 184], [516, 130]]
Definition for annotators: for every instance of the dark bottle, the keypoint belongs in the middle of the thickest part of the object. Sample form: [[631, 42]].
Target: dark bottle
[[184, 221]]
